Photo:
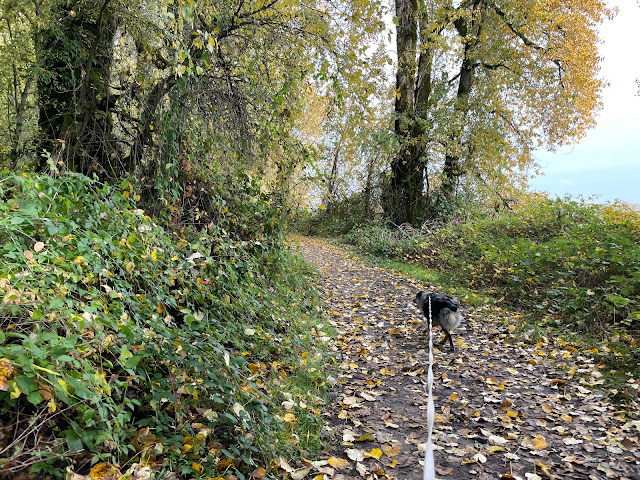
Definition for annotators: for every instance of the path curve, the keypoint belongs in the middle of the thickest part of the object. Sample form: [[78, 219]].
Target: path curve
[[504, 409]]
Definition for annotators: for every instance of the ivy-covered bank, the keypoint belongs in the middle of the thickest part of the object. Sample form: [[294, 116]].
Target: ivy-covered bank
[[124, 342]]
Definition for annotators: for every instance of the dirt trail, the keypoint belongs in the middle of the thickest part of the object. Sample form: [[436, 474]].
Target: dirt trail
[[504, 409]]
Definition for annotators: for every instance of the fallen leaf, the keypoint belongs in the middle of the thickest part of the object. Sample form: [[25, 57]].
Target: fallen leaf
[[367, 437], [391, 451], [300, 474], [362, 469], [444, 471], [374, 453], [355, 454], [338, 463], [480, 458]]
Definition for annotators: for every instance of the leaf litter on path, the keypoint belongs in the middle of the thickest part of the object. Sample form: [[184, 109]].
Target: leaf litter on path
[[505, 409]]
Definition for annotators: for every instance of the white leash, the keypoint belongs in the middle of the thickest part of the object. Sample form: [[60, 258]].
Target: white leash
[[429, 465]]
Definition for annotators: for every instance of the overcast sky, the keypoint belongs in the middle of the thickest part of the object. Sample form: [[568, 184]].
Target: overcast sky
[[606, 163]]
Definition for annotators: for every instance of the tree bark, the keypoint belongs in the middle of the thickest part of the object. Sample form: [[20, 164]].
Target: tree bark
[[413, 89], [75, 56], [469, 30]]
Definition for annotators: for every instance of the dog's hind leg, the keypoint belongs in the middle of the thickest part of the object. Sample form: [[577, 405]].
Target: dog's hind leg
[[447, 336]]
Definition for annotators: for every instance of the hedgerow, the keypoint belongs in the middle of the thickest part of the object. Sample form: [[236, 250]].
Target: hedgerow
[[125, 342]]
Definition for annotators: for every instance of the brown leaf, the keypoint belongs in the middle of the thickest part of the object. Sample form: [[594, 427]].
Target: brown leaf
[[258, 473], [444, 471], [391, 451]]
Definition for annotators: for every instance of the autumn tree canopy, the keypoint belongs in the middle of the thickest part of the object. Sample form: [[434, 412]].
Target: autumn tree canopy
[[151, 89], [480, 85]]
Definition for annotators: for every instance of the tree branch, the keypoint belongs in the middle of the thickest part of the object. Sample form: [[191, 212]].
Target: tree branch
[[514, 30]]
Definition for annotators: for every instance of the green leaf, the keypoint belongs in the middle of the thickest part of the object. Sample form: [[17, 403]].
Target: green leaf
[[35, 398], [88, 415], [26, 384], [73, 440], [132, 362]]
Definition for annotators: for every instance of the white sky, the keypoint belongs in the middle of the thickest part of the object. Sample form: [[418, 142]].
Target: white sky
[[606, 163]]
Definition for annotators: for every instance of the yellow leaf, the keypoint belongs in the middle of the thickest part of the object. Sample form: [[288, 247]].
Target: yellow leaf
[[367, 437], [253, 367], [547, 408], [546, 469], [16, 390], [197, 467], [224, 463], [104, 470], [339, 463], [289, 418], [52, 406], [38, 367], [536, 443], [374, 453], [454, 397]]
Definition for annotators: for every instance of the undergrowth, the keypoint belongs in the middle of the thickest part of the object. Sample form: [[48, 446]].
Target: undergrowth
[[124, 342]]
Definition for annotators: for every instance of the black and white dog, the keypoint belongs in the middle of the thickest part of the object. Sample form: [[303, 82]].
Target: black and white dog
[[445, 311]]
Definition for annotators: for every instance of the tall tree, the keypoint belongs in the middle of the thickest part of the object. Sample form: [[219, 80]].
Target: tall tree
[[480, 84], [75, 55]]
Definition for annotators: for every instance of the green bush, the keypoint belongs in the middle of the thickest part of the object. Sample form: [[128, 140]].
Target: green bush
[[127, 342]]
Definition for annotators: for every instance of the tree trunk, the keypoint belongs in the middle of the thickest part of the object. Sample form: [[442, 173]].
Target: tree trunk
[[469, 30], [332, 184], [406, 178], [406, 200], [75, 56]]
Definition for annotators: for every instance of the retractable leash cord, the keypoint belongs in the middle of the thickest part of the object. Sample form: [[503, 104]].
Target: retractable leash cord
[[429, 466]]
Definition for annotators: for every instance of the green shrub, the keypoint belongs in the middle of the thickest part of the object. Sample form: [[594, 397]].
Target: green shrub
[[127, 342]]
